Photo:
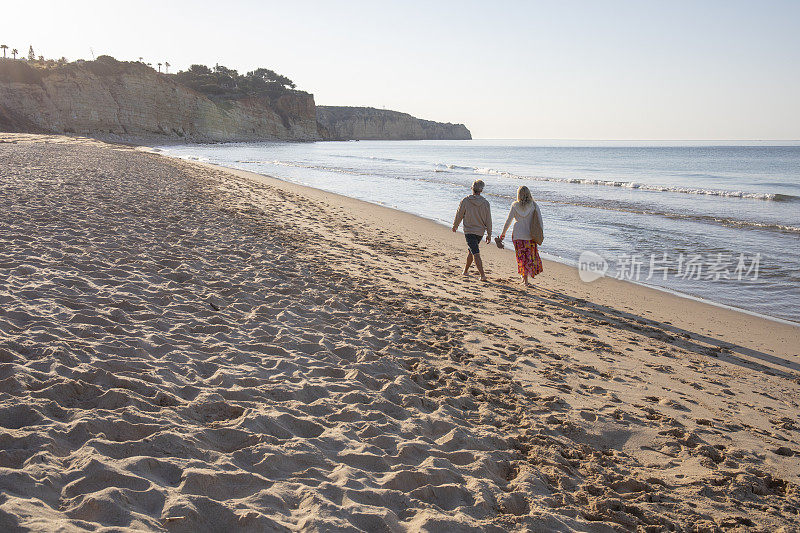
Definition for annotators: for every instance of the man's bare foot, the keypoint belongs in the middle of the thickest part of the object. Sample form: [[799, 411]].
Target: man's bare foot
[[484, 278]]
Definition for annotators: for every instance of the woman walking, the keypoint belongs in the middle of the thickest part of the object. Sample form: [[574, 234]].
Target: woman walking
[[523, 212]]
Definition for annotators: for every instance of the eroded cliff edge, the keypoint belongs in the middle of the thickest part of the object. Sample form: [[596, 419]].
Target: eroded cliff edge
[[340, 123], [131, 101], [137, 102]]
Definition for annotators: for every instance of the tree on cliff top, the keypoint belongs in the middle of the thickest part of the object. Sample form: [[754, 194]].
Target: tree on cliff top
[[106, 65], [222, 81], [4, 47], [31, 54], [265, 76]]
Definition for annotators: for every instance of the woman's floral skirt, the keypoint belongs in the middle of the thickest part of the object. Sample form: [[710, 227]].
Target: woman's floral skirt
[[528, 260]]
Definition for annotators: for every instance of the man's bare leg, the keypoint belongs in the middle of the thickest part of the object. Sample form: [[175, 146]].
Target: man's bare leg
[[479, 264], [469, 263]]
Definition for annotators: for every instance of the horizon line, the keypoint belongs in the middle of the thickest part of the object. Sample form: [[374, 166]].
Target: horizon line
[[627, 140]]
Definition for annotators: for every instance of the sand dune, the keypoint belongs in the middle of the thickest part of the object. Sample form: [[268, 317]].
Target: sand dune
[[188, 349]]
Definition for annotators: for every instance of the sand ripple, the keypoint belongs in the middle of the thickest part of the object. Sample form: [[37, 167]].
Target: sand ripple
[[175, 354]]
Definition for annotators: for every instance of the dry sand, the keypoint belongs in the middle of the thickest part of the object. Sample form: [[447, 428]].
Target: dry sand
[[185, 348]]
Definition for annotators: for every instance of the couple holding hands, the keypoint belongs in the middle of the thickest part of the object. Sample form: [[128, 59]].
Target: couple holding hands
[[476, 214]]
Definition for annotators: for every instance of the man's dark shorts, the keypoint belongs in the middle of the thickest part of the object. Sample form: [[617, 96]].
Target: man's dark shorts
[[473, 241]]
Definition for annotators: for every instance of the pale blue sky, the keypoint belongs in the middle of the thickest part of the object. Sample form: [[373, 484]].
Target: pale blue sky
[[542, 70]]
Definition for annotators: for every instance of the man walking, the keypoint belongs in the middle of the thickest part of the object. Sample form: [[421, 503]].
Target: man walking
[[476, 213]]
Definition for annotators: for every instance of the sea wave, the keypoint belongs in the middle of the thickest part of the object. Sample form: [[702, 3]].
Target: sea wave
[[368, 158], [645, 186], [442, 168], [304, 165], [594, 205], [731, 222]]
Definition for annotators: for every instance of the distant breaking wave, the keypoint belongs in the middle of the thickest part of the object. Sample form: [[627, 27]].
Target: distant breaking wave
[[443, 167], [631, 185], [775, 197], [303, 165], [699, 218], [676, 216]]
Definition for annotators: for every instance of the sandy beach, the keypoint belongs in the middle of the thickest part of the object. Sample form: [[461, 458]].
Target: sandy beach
[[189, 348]]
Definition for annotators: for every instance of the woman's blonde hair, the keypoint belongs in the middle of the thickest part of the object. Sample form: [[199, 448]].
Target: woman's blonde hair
[[524, 195]]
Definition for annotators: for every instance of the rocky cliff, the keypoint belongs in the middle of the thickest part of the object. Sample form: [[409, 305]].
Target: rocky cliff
[[135, 101], [130, 100], [366, 123]]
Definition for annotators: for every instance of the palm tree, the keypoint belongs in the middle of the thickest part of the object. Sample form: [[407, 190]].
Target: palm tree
[[14, 53], [4, 47], [159, 67], [166, 66], [140, 60]]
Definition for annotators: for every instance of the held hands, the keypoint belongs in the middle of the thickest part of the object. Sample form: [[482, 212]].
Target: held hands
[[454, 229]]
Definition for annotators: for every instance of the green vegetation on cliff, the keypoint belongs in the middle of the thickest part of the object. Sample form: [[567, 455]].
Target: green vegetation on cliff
[[217, 82], [221, 81]]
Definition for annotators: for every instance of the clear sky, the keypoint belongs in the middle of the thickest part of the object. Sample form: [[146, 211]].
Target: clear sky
[[637, 69]]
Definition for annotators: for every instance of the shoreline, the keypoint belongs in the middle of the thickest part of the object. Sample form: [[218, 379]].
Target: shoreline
[[726, 294], [571, 272], [676, 310], [728, 321]]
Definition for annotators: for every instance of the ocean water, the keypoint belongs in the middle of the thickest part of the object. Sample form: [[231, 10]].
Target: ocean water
[[716, 221]]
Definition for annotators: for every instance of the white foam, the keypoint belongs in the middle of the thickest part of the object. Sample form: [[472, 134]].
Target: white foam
[[634, 185]]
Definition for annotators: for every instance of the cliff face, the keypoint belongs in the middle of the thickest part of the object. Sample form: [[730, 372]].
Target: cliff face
[[367, 123], [143, 103], [107, 97]]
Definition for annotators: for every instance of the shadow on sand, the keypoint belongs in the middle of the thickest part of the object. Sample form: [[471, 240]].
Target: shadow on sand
[[688, 340]]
